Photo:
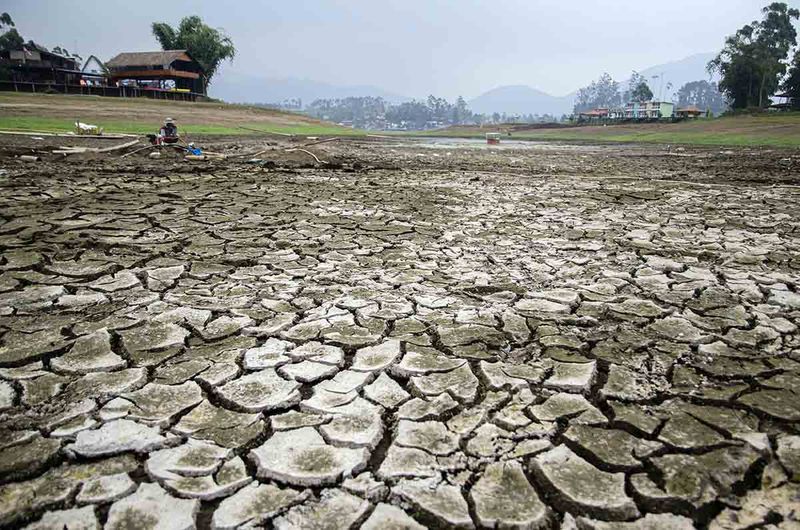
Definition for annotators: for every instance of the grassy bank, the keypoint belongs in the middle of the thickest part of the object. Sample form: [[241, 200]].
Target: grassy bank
[[769, 130], [56, 113], [41, 124]]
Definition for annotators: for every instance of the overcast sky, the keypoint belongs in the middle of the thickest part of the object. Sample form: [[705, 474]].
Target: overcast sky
[[410, 47]]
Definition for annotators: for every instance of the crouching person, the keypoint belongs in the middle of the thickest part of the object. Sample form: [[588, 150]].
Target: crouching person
[[168, 134]]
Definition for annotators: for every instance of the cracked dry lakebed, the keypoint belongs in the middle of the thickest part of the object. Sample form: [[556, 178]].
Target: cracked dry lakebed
[[412, 334]]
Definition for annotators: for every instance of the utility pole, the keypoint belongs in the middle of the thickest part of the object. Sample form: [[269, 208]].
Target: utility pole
[[660, 84]]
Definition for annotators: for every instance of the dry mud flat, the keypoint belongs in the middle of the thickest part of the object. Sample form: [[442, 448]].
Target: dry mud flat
[[412, 336]]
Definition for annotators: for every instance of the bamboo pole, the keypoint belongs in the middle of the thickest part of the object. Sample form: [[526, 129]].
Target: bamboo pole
[[118, 147], [78, 150], [139, 150], [308, 153], [64, 135], [263, 132]]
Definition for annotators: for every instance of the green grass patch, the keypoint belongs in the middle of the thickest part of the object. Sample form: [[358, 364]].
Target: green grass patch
[[680, 138], [721, 139], [56, 113], [309, 129], [56, 125]]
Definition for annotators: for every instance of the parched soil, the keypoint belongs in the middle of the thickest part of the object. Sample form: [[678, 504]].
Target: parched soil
[[405, 334]]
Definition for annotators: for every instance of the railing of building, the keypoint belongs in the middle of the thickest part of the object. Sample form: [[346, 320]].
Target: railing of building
[[87, 90]]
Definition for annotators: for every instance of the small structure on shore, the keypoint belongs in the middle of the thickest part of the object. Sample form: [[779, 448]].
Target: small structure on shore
[[594, 114], [788, 102], [690, 111]]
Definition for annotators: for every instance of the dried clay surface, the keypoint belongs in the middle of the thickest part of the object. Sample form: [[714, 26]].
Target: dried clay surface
[[413, 334]]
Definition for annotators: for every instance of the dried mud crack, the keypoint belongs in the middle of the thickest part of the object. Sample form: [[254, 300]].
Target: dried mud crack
[[415, 335]]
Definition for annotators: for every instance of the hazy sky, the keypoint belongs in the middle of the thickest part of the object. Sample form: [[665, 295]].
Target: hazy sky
[[410, 47]]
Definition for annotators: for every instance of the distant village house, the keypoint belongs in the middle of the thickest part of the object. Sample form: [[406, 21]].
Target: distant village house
[[649, 110], [689, 112], [165, 70], [35, 64], [594, 114], [638, 111]]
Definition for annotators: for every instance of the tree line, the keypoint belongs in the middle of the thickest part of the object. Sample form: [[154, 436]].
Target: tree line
[[605, 92], [376, 113]]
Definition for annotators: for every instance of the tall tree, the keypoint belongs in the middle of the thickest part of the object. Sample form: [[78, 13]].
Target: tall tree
[[791, 85], [641, 93], [461, 111], [601, 93], [638, 89], [209, 46], [10, 39], [703, 95], [753, 60], [65, 53]]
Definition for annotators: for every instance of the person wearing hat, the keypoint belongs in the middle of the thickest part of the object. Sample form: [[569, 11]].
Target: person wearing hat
[[168, 133]]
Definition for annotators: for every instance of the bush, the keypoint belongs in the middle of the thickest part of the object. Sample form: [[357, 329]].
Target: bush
[[749, 111]]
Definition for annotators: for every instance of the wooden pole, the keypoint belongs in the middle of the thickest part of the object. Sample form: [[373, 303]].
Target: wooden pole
[[138, 150]]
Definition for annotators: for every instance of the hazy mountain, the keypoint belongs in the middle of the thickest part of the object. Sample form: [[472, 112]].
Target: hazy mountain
[[692, 68], [511, 99], [242, 88], [521, 99]]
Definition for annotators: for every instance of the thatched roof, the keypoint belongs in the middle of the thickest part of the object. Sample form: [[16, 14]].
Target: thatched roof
[[165, 57]]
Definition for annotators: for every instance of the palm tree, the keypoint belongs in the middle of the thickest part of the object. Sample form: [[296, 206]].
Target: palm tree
[[207, 45]]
